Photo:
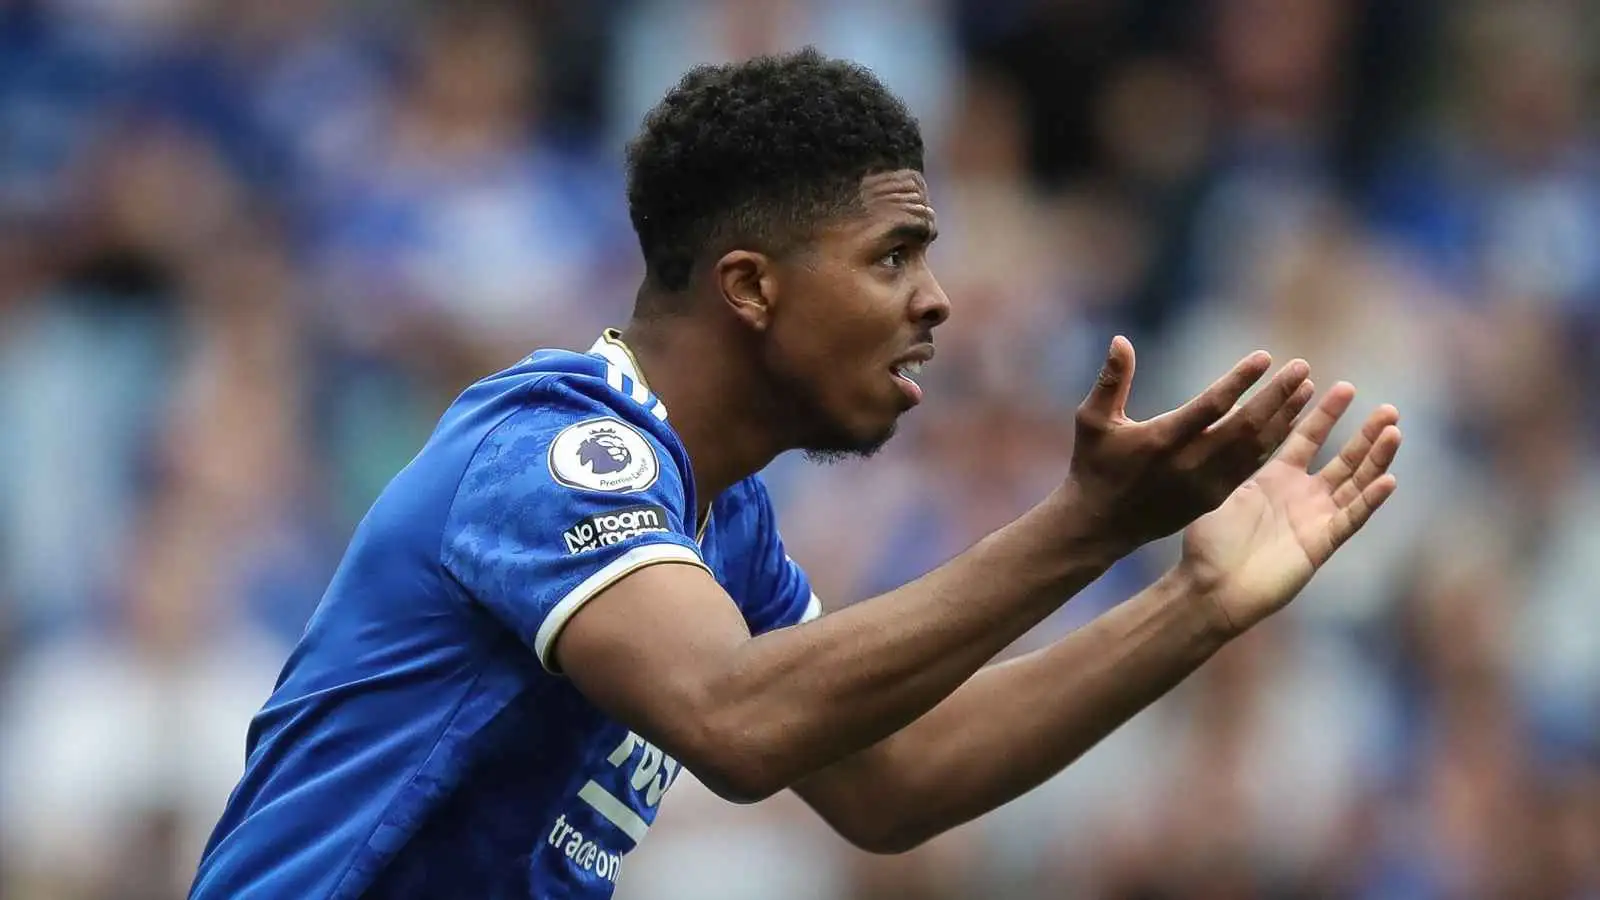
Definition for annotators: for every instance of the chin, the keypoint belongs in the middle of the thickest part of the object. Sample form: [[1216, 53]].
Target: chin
[[843, 445]]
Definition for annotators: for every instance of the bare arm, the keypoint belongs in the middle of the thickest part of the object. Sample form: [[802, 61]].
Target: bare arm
[[751, 715], [1013, 726], [666, 652]]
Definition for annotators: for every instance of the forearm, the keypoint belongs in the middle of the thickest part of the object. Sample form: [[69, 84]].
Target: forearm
[[801, 698], [1015, 725]]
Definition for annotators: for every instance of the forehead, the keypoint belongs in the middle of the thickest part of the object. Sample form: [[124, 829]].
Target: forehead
[[896, 197]]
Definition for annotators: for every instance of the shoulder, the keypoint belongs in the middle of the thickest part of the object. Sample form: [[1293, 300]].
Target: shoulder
[[557, 382], [567, 421], [592, 427], [595, 377]]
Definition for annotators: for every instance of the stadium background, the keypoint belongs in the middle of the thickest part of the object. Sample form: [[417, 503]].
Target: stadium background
[[248, 251]]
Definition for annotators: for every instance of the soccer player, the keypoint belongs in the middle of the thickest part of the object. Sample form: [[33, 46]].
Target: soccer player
[[577, 589]]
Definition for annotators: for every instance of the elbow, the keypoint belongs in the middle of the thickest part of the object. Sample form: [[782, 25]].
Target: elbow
[[735, 780], [735, 762], [731, 739], [873, 815], [884, 829], [885, 841], [878, 829]]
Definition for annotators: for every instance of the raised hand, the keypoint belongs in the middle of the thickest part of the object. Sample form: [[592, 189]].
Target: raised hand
[[1146, 480], [1262, 545]]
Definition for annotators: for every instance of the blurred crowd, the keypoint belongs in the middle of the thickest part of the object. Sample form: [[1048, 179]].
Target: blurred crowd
[[249, 251]]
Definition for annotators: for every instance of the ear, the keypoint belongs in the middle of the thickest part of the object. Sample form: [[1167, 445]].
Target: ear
[[747, 283]]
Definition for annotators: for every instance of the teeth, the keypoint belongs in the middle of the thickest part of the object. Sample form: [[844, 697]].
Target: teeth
[[908, 371]]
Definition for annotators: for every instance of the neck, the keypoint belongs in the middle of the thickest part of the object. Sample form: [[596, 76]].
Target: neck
[[696, 371]]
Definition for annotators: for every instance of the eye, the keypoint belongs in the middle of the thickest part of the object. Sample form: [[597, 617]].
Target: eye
[[897, 258]]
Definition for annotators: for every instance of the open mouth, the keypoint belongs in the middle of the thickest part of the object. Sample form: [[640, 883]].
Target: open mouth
[[905, 375], [908, 371]]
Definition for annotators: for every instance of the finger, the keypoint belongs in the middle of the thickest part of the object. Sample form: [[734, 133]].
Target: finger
[[1340, 468], [1278, 427], [1184, 423], [1306, 441], [1349, 520], [1109, 397], [1253, 415], [1375, 464]]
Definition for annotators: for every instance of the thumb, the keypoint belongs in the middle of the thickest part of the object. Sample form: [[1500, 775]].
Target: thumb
[[1109, 397]]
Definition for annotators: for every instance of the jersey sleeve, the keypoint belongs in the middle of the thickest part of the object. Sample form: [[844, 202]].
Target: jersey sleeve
[[559, 502], [775, 592]]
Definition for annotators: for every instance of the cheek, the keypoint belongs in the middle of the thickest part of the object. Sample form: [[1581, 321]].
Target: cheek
[[804, 361], [842, 326], [806, 336], [866, 312], [793, 357], [833, 355]]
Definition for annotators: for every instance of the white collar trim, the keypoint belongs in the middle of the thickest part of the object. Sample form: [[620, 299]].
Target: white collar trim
[[610, 347], [621, 367]]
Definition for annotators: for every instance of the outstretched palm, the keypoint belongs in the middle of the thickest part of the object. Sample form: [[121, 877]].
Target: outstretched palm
[[1258, 549]]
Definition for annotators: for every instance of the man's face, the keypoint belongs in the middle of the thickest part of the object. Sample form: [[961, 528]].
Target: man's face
[[856, 319]]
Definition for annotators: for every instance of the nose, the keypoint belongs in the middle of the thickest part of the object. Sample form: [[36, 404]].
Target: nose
[[929, 305]]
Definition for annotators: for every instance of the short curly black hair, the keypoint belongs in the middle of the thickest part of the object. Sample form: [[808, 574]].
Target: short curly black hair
[[762, 150]]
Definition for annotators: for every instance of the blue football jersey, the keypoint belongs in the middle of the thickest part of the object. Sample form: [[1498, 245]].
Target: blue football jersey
[[419, 742]]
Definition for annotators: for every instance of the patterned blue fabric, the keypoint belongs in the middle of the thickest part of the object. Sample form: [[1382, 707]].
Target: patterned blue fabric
[[418, 743]]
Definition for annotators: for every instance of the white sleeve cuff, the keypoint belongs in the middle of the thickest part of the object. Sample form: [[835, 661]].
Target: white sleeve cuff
[[813, 610], [609, 574]]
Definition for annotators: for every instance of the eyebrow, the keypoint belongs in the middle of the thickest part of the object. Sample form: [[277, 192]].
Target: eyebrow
[[912, 232]]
